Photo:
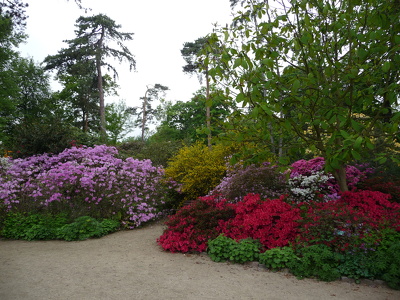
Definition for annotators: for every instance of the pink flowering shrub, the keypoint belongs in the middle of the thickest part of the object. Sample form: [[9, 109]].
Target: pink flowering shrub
[[309, 182], [85, 181]]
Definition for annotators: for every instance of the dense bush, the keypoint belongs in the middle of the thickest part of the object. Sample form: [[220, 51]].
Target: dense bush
[[86, 227], [317, 261], [198, 169], [277, 258], [345, 224], [49, 227], [380, 183], [85, 182], [193, 225], [273, 222], [159, 153], [240, 180], [310, 183], [223, 248], [29, 226]]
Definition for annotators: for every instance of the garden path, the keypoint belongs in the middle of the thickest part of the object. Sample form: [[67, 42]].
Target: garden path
[[130, 265]]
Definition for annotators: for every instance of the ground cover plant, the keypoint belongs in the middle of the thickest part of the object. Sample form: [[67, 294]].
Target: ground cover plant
[[326, 236], [41, 226], [87, 181]]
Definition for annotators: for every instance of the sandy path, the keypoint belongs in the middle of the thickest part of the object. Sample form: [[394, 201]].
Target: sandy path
[[130, 265]]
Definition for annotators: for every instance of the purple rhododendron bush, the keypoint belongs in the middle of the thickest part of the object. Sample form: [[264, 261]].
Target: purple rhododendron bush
[[85, 182]]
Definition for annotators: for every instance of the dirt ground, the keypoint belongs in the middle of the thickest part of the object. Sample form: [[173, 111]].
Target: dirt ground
[[130, 265]]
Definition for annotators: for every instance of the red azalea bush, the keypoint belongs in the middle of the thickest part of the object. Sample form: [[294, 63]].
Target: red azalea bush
[[345, 223], [383, 184], [273, 222], [193, 225]]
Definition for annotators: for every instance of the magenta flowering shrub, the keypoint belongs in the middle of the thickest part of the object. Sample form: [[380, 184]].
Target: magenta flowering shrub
[[309, 182], [265, 180], [85, 181]]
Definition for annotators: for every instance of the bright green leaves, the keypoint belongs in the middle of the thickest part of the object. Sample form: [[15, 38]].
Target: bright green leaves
[[268, 62], [296, 85], [321, 71], [386, 66]]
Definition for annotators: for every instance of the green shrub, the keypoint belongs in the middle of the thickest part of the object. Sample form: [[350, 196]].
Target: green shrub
[[392, 273], [37, 226], [317, 261], [245, 250], [86, 227], [158, 152], [356, 265], [32, 226], [277, 258], [219, 249], [223, 248], [198, 169]]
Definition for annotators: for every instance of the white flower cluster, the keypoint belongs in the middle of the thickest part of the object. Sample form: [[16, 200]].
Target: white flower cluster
[[5, 162], [304, 188]]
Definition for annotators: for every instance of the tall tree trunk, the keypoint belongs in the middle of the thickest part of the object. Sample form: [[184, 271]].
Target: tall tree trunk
[[208, 110], [340, 176], [144, 114], [103, 133]]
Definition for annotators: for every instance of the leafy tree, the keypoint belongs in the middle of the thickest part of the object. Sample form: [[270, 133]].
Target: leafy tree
[[14, 10], [185, 120], [33, 100], [118, 118], [326, 70], [94, 34], [39, 122], [10, 38], [191, 53], [146, 113]]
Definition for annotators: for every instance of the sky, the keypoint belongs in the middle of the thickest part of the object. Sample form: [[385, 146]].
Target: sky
[[160, 29]]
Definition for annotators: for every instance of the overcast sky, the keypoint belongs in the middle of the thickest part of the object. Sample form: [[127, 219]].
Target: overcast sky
[[160, 28]]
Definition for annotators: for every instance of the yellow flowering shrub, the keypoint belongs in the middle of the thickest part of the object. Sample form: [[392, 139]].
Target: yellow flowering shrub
[[198, 169]]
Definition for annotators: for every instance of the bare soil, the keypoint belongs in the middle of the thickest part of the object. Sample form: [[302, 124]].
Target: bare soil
[[130, 265]]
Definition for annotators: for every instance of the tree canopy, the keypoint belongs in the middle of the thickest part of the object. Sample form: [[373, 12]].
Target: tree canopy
[[98, 38], [327, 70]]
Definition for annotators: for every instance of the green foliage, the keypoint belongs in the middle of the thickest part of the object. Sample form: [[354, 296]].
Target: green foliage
[[88, 52], [86, 227], [223, 248], [198, 168], [357, 265], [279, 73], [245, 250], [38, 137], [219, 249], [38, 226], [277, 258], [317, 261], [385, 262], [159, 152], [117, 121], [29, 227], [186, 121]]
